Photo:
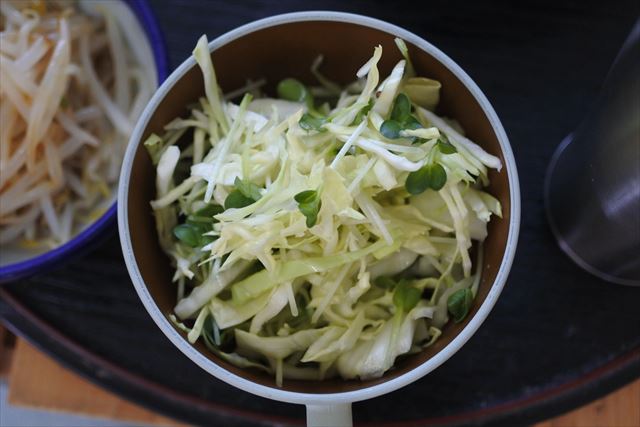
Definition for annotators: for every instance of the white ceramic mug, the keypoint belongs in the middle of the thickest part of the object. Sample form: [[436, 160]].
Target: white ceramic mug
[[326, 408]]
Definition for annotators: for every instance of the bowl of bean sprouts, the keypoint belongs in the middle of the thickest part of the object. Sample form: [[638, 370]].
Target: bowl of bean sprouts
[[75, 77]]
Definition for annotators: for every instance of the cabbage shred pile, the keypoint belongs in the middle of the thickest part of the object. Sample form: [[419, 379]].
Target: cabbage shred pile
[[324, 232]]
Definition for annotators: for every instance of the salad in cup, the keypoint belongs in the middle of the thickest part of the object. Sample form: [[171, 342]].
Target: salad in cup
[[324, 230]]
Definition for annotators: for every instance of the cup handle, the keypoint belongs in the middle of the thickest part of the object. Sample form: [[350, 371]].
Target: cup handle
[[330, 415]]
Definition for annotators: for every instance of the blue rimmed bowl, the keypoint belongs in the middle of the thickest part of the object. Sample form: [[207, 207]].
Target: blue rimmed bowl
[[17, 263]]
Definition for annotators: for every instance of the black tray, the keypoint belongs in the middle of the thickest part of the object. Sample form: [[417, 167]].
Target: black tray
[[557, 338]]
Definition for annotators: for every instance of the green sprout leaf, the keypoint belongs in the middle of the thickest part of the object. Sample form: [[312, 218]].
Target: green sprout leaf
[[292, 90], [390, 129], [309, 204], [205, 215], [309, 122], [192, 232], [418, 181], [429, 176], [362, 113], [459, 304], [306, 197], [210, 211], [438, 177], [406, 297], [412, 123], [445, 146], [245, 194], [188, 234], [384, 282], [237, 200], [248, 188], [401, 108], [196, 219], [400, 119]]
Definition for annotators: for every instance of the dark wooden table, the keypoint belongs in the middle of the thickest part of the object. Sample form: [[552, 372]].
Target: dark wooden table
[[557, 338]]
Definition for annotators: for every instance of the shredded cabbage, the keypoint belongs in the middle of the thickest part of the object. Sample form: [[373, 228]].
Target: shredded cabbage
[[320, 239]]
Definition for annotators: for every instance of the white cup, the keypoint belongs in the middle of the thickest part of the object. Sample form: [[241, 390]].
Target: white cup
[[323, 408]]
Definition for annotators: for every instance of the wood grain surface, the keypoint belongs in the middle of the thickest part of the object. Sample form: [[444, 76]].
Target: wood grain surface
[[618, 409], [67, 392]]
